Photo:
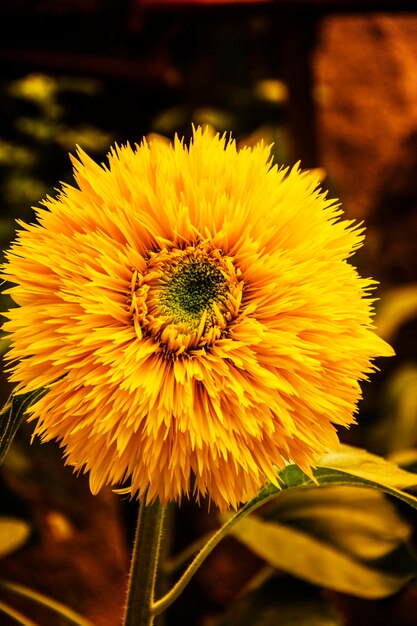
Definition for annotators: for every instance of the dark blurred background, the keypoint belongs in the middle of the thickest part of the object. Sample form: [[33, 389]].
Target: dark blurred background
[[330, 83]]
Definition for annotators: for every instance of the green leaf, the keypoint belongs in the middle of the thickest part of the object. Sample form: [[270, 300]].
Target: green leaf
[[348, 466], [360, 468], [11, 416], [370, 467], [306, 557], [281, 601], [360, 463], [328, 556], [13, 534], [362, 523]]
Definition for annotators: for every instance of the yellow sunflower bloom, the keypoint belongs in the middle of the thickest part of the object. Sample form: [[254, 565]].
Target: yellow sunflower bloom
[[191, 312]]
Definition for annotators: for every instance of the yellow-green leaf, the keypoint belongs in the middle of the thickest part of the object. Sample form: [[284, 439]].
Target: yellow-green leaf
[[363, 464], [306, 557], [13, 534], [356, 521]]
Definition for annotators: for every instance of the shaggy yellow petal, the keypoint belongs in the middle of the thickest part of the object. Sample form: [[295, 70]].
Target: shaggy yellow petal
[[193, 315]]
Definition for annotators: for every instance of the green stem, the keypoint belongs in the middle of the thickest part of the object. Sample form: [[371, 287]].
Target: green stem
[[162, 581], [144, 564], [163, 603]]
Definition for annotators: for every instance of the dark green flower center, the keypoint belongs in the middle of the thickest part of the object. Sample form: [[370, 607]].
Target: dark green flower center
[[192, 288]]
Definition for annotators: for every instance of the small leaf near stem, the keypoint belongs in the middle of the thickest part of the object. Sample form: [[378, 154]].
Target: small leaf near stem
[[144, 565]]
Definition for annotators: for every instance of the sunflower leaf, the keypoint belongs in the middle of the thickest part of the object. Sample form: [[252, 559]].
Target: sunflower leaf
[[300, 554], [350, 466], [325, 558], [11, 415], [364, 464], [362, 523]]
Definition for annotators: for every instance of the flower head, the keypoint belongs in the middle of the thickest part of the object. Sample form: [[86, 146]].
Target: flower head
[[192, 314]]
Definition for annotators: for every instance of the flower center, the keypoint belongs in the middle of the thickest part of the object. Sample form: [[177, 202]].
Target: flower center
[[186, 298], [192, 288]]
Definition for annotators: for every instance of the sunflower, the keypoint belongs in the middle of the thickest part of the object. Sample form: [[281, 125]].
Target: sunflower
[[192, 315]]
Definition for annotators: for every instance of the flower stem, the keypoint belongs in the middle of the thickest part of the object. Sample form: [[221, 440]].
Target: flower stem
[[163, 603], [144, 565]]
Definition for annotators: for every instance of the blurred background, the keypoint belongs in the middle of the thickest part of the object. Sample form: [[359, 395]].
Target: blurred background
[[330, 83]]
